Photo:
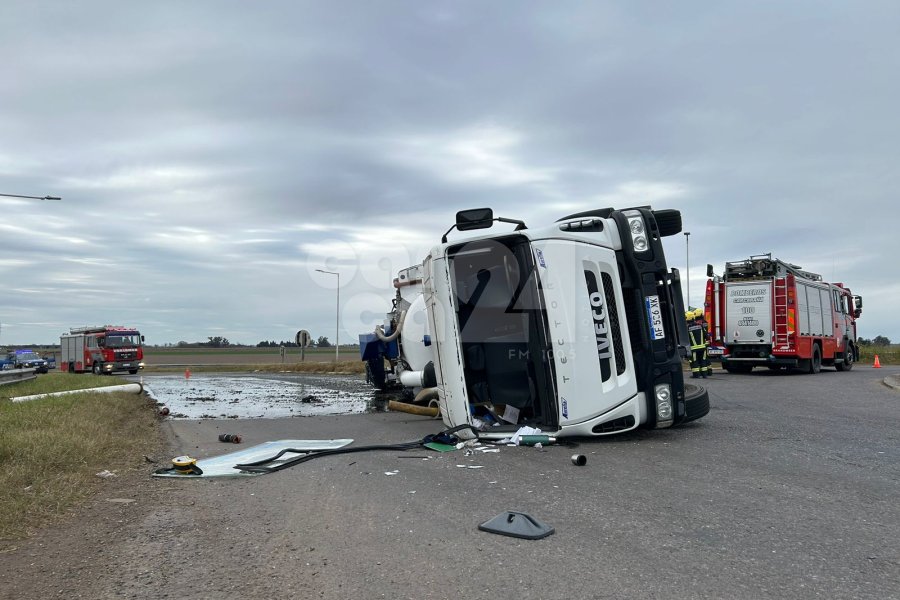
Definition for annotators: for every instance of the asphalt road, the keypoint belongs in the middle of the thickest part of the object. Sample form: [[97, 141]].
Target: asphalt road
[[788, 489]]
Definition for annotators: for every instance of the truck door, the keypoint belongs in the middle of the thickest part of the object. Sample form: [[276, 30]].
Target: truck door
[[841, 318], [748, 312]]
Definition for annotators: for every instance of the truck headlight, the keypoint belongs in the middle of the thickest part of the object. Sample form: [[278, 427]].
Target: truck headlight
[[664, 412], [638, 230]]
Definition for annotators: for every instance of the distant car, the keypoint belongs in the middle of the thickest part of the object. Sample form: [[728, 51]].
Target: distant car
[[28, 359]]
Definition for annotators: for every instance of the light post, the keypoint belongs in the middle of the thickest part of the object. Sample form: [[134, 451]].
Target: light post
[[337, 318], [32, 197], [687, 248]]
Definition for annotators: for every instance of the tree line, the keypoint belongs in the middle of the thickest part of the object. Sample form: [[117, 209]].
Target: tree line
[[223, 342], [322, 342]]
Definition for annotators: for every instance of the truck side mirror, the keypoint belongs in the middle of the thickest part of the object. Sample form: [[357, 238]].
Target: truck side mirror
[[709, 270], [857, 306], [474, 218], [142, 339]]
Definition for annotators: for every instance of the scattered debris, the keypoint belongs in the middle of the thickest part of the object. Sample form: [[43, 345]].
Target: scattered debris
[[106, 474], [121, 500], [579, 460], [223, 466], [230, 438], [392, 472]]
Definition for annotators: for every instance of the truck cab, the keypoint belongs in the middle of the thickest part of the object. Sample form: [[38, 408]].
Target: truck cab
[[576, 328]]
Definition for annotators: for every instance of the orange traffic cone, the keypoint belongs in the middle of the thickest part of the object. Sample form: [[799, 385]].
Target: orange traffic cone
[[187, 373], [877, 363]]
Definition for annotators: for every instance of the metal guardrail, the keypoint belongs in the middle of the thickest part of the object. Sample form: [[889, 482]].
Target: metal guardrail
[[16, 375]]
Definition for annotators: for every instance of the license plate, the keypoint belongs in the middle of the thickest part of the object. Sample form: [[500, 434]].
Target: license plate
[[126, 364], [716, 351], [654, 314]]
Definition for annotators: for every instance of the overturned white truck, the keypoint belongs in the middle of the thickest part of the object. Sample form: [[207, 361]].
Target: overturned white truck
[[576, 329]]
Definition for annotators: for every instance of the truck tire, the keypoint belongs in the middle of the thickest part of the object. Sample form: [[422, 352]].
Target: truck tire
[[133, 371], [847, 363], [815, 363], [668, 220]]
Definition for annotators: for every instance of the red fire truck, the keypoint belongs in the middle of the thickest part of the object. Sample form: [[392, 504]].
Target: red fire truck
[[102, 349], [767, 312]]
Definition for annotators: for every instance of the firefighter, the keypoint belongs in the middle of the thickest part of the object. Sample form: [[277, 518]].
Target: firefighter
[[697, 330]]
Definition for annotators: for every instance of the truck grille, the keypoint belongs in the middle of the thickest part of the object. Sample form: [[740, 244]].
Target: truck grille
[[620, 424], [615, 328]]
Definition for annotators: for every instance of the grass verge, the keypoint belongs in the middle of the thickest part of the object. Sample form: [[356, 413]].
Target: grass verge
[[52, 448], [887, 355], [56, 382]]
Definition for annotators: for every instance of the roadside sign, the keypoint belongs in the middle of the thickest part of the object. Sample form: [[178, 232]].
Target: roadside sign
[[303, 338]]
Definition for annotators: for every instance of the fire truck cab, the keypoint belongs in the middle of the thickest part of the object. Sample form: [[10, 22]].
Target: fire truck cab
[[103, 349]]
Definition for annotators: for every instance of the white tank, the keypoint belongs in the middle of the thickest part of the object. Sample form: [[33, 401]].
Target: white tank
[[412, 336]]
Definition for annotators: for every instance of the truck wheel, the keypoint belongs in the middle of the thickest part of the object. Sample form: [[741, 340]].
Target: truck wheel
[[96, 368], [847, 363], [133, 371], [815, 363], [668, 220]]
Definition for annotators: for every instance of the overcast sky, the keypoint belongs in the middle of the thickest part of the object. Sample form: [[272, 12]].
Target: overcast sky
[[212, 155]]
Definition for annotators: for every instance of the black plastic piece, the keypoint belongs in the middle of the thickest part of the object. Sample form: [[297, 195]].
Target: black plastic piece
[[429, 378], [602, 213], [517, 525]]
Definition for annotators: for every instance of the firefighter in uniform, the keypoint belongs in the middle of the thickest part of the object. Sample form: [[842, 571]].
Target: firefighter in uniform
[[697, 331]]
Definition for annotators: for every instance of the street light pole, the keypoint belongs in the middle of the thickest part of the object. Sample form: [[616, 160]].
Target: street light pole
[[32, 197], [687, 248], [337, 318]]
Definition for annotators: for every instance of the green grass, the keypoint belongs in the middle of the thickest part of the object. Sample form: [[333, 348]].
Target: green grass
[[52, 448], [887, 355], [56, 382]]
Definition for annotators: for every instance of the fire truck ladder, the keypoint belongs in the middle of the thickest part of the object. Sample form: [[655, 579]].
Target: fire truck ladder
[[782, 336]]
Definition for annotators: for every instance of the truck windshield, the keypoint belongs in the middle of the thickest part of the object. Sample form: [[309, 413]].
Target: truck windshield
[[503, 330], [127, 340]]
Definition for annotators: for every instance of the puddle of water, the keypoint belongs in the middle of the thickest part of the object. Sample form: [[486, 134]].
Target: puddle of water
[[223, 397]]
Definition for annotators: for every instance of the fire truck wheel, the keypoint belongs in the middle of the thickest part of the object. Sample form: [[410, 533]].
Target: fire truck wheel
[[96, 368], [847, 363], [815, 363]]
